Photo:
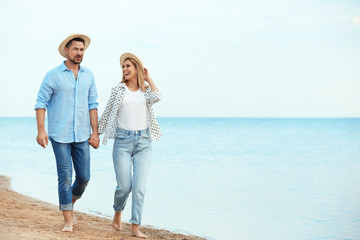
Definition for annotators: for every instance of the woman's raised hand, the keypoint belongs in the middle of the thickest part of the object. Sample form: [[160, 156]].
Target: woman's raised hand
[[146, 75]]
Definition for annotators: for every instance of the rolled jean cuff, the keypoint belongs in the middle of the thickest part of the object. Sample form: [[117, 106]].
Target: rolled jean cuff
[[67, 207], [118, 209], [76, 197], [132, 221]]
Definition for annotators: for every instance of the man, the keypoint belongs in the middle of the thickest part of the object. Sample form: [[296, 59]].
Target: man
[[68, 93]]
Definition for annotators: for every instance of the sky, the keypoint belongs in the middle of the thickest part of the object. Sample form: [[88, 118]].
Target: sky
[[213, 58]]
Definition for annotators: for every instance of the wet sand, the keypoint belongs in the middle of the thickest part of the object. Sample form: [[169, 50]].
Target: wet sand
[[23, 217]]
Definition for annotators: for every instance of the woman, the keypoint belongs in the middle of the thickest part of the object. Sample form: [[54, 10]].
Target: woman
[[129, 119]]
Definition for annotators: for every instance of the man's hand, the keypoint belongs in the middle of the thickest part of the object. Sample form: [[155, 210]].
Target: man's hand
[[94, 140], [42, 138]]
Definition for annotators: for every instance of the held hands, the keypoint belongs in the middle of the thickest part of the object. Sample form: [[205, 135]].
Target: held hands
[[94, 140], [42, 139]]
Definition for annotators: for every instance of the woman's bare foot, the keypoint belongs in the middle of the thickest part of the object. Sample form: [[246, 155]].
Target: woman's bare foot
[[116, 224], [67, 228], [136, 232]]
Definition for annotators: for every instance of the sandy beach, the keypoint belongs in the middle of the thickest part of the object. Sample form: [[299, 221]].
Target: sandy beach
[[23, 217]]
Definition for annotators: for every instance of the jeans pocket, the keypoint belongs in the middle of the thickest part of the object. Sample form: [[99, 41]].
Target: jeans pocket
[[121, 136], [145, 136]]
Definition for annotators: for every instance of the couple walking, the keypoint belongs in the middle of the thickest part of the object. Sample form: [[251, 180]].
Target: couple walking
[[68, 93]]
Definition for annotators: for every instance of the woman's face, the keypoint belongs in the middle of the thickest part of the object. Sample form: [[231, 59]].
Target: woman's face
[[129, 70]]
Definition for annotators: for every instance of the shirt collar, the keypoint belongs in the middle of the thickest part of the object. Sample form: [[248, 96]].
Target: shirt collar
[[63, 67]]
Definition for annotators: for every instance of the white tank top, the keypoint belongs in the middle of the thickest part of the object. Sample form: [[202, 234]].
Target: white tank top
[[133, 113]]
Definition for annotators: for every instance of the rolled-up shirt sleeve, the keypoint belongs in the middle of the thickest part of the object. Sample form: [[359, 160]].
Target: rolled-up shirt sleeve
[[45, 93], [93, 96], [153, 97]]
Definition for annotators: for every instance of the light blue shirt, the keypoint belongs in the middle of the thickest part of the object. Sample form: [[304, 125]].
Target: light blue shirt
[[68, 102]]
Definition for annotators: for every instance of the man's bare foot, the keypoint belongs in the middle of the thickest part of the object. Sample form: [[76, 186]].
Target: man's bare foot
[[67, 228], [117, 224], [74, 220], [136, 232]]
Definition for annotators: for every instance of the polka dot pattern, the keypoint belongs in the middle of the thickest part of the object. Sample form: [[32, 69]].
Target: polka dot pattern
[[107, 123]]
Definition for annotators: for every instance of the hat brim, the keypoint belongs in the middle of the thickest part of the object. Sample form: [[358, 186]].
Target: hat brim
[[132, 56], [69, 38]]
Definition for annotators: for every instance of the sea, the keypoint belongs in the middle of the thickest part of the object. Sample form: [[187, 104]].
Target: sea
[[219, 178]]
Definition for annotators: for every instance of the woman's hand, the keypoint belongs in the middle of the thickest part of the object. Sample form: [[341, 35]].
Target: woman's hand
[[94, 140], [149, 80], [147, 75]]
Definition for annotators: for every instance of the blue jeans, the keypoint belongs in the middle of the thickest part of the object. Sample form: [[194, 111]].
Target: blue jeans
[[132, 157], [67, 154]]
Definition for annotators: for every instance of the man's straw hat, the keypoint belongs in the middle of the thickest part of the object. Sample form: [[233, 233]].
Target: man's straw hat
[[69, 38]]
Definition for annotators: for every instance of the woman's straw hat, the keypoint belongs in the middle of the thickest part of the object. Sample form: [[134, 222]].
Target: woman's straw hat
[[132, 56], [69, 38]]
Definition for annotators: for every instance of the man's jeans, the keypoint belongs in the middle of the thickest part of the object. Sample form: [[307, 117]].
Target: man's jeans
[[66, 154], [132, 157]]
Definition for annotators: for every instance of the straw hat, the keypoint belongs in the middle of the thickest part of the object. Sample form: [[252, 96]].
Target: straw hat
[[69, 38], [132, 56]]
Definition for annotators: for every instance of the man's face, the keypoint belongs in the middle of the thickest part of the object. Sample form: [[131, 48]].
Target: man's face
[[75, 52]]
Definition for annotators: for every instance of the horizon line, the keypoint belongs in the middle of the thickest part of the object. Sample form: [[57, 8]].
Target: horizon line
[[234, 117]]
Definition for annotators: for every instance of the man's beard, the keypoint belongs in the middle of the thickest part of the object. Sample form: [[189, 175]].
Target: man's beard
[[74, 61]]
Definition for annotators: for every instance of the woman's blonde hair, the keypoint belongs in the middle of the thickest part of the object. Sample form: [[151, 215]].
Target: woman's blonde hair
[[140, 75]]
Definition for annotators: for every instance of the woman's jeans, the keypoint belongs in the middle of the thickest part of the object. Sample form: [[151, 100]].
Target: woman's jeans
[[132, 157], [67, 154]]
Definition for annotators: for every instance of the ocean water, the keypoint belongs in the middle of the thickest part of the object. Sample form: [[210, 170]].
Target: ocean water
[[220, 178]]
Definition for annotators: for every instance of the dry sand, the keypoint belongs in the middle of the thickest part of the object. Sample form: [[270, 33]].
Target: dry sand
[[23, 217]]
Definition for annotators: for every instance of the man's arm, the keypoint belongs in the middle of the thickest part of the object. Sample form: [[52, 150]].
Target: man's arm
[[94, 137], [42, 138]]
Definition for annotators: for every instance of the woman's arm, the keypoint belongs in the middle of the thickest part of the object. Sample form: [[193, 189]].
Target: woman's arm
[[154, 95], [105, 116], [149, 80]]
